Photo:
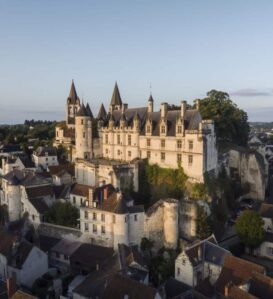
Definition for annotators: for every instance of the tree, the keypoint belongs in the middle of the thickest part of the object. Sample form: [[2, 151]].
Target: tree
[[249, 227], [231, 122], [203, 229], [63, 214]]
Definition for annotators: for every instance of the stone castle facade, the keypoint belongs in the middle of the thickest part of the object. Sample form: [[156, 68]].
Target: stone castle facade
[[169, 137]]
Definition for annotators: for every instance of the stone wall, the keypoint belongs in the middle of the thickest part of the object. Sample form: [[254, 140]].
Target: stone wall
[[58, 231]]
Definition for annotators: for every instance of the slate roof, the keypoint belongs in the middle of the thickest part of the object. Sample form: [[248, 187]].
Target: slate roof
[[46, 243], [60, 169], [80, 190], [88, 109], [39, 205], [26, 161], [102, 112], [266, 210], [237, 271], [129, 255], [122, 286], [73, 97], [88, 256], [61, 191], [66, 247], [39, 191], [10, 148], [82, 111], [116, 99]]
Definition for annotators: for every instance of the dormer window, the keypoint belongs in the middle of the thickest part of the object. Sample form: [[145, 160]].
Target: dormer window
[[148, 129], [179, 129]]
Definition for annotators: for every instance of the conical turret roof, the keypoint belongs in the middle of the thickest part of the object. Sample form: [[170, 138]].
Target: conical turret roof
[[73, 97], [150, 98], [82, 111], [89, 111], [116, 99], [102, 112]]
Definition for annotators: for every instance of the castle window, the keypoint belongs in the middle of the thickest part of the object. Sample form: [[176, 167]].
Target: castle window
[[118, 152], [82, 121], [148, 129], [148, 154], [179, 157], [163, 143], [94, 216], [178, 271], [106, 151], [179, 129], [106, 138], [163, 129], [179, 143], [129, 153], [148, 142], [190, 159], [86, 228], [135, 217], [86, 214], [103, 229], [190, 144], [162, 156], [129, 139], [102, 217], [83, 134], [114, 218], [118, 139], [95, 228]]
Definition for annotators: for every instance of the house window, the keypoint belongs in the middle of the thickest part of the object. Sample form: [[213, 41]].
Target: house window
[[179, 129], [86, 214], [86, 228], [162, 156], [118, 138], [269, 250], [183, 262], [148, 154], [179, 157], [179, 144], [81, 200], [94, 216], [163, 143], [190, 159], [190, 145], [33, 217], [148, 142], [129, 153], [148, 129], [129, 139], [178, 271], [82, 121], [102, 217], [135, 217], [114, 218], [118, 152], [95, 228], [74, 200], [163, 129], [103, 229], [106, 138]]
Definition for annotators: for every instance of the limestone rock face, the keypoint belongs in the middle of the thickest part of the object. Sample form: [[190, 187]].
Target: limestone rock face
[[250, 167]]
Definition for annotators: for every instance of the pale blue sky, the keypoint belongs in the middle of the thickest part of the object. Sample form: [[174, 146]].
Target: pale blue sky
[[183, 48]]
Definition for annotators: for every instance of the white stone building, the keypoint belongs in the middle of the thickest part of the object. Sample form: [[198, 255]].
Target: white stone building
[[45, 156], [200, 260]]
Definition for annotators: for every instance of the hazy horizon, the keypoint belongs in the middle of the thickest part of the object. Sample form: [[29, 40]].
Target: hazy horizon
[[181, 48]]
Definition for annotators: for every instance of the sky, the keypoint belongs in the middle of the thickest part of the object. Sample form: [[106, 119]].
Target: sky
[[182, 49]]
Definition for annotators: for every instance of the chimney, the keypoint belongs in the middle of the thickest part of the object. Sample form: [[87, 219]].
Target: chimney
[[124, 107], [163, 109], [198, 104], [11, 286], [227, 289], [105, 193], [183, 108], [91, 195]]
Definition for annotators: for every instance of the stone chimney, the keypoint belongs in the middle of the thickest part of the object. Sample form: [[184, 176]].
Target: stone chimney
[[198, 104], [124, 107], [91, 195], [105, 193], [163, 109], [183, 109], [11, 286]]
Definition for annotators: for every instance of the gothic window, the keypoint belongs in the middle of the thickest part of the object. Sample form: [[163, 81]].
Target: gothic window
[[148, 142], [163, 129], [129, 139], [106, 138], [148, 129], [163, 143], [179, 129], [179, 144], [190, 144], [118, 139], [190, 159], [179, 157]]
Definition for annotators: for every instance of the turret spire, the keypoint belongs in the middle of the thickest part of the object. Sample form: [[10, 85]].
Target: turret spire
[[116, 99]]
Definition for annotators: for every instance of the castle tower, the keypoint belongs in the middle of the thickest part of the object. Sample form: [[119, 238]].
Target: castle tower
[[116, 102], [72, 106], [84, 144], [170, 221], [151, 104]]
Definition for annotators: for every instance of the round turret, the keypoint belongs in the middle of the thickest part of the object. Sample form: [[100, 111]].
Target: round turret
[[171, 223]]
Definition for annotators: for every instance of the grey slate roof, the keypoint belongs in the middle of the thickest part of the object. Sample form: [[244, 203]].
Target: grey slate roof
[[116, 99], [39, 204], [42, 151], [66, 247], [88, 109], [73, 97], [102, 112], [82, 111]]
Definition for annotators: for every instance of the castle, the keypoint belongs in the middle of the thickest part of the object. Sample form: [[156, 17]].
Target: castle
[[170, 137]]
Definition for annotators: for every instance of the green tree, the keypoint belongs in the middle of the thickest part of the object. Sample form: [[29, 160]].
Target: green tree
[[203, 229], [63, 214], [231, 122], [199, 191], [249, 228]]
